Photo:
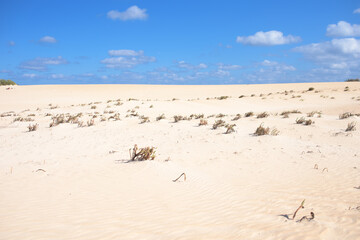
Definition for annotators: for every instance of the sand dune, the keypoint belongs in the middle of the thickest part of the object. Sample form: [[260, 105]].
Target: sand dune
[[71, 182]]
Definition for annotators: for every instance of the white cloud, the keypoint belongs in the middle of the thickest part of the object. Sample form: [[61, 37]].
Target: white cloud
[[268, 38], [40, 64], [332, 50], [87, 75], [132, 13], [57, 76], [183, 64], [125, 52], [275, 66], [11, 43], [29, 75], [337, 53], [343, 29], [126, 59], [357, 10], [223, 66], [47, 39]]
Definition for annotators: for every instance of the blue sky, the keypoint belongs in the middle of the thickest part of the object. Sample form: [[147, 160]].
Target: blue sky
[[179, 42]]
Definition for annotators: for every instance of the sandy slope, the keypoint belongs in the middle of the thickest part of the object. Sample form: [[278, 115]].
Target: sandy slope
[[238, 186]]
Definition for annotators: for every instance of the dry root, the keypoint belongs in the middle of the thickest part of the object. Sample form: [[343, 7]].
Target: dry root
[[301, 206], [183, 174]]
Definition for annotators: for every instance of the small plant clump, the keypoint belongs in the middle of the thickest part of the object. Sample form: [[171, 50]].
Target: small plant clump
[[116, 117], [218, 123], [222, 97], [144, 119], [262, 115], [162, 116], [311, 89], [351, 126], [249, 114], [142, 154], [300, 120], [197, 116], [90, 123], [203, 122], [237, 117], [230, 128], [261, 130], [308, 122], [311, 114], [178, 118], [220, 115], [345, 115], [288, 112], [33, 127], [21, 119]]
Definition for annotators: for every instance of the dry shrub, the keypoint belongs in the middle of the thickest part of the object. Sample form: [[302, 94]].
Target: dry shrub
[[61, 118], [90, 123], [274, 132], [308, 122], [218, 123], [116, 117], [21, 119], [351, 126], [222, 97], [262, 115], [249, 114], [262, 131], [144, 119], [237, 117], [197, 116], [230, 128], [203, 122], [162, 116], [178, 118], [147, 153], [311, 114], [345, 115], [300, 120], [220, 115], [288, 112], [33, 127]]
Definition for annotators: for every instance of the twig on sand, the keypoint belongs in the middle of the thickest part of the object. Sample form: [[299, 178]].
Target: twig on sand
[[180, 177], [40, 170], [301, 206], [307, 218], [316, 166]]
